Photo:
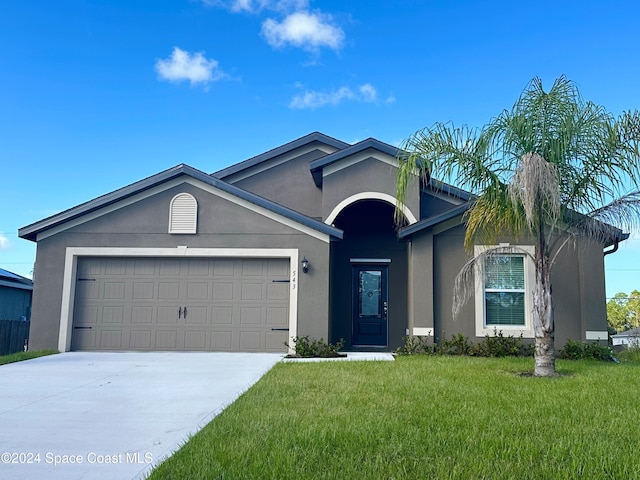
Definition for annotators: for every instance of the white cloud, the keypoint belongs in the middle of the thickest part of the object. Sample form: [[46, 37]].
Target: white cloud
[[368, 92], [4, 242], [196, 68], [255, 6], [303, 29], [312, 99]]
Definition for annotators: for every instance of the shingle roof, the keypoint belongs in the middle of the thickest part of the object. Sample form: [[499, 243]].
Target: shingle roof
[[281, 150], [30, 232]]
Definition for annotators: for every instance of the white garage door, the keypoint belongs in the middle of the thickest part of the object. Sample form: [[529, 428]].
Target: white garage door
[[215, 304]]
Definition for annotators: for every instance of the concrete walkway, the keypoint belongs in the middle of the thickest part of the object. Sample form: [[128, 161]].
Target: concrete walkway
[[112, 416]]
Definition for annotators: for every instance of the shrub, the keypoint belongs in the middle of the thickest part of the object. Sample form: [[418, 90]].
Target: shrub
[[492, 346], [575, 350], [416, 345], [500, 346], [457, 345], [306, 347]]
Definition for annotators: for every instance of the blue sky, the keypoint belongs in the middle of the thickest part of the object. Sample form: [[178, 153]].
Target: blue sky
[[95, 95]]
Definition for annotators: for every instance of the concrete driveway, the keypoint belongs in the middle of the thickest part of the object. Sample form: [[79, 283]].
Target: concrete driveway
[[111, 416]]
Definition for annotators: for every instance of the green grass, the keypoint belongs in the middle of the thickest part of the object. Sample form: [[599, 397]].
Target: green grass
[[20, 356], [423, 418]]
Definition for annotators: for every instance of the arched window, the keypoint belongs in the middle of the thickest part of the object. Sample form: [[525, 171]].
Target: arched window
[[183, 214]]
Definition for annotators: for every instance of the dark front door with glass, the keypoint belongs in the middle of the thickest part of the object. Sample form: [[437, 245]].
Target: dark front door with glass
[[370, 305]]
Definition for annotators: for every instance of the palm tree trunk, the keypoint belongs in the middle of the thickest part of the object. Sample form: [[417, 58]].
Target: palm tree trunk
[[543, 321]]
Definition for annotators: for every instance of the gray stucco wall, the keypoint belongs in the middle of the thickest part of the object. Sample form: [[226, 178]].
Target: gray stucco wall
[[369, 175], [577, 280], [421, 281], [289, 184], [221, 224]]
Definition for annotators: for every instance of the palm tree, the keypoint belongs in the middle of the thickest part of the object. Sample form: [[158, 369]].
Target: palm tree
[[554, 168]]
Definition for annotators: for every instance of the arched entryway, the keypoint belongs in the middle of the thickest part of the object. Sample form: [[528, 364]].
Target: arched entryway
[[368, 278]]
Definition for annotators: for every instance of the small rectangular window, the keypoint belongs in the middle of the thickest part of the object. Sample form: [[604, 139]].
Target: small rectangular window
[[504, 291]]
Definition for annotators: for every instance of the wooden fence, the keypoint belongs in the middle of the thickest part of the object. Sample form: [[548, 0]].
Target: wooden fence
[[14, 334]]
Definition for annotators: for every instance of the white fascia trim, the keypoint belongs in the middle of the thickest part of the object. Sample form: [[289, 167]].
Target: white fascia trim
[[369, 196], [179, 181], [596, 335], [73, 253], [423, 331], [274, 162], [529, 282], [357, 158]]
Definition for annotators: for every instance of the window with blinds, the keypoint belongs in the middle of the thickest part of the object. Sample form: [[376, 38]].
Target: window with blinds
[[504, 291], [183, 214]]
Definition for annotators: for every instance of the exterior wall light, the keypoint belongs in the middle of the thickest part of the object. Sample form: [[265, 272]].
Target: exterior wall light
[[305, 264]]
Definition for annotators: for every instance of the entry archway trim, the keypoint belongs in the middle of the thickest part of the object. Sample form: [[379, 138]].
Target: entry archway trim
[[370, 196]]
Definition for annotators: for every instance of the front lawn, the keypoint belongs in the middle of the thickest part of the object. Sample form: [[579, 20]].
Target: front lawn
[[20, 356], [422, 417]]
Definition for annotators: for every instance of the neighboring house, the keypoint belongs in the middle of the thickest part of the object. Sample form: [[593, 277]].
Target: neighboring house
[[15, 296], [629, 338], [184, 260]]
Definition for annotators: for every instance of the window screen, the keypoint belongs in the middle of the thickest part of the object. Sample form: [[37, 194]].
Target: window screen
[[504, 291]]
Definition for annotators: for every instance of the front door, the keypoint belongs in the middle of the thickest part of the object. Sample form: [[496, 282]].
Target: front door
[[370, 305]]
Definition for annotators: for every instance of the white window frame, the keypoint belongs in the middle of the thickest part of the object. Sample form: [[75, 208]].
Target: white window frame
[[189, 221], [526, 331]]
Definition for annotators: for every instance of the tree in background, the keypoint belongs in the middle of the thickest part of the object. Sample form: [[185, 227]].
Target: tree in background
[[552, 168], [623, 311]]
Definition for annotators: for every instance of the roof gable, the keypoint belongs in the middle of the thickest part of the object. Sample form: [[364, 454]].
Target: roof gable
[[67, 217], [317, 166], [270, 158]]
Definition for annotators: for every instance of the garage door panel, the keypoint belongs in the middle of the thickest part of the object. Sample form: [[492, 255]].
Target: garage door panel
[[168, 314], [195, 340], [277, 292], [222, 291], [87, 289], [276, 268], [166, 339], [197, 291], [250, 341], [85, 338], [197, 267], [250, 315], [112, 314], [196, 315], [222, 340], [140, 340], [252, 291], [111, 339], [144, 266], [144, 291], [142, 314], [114, 290], [169, 291], [140, 304], [222, 315], [278, 316], [86, 314], [275, 341]]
